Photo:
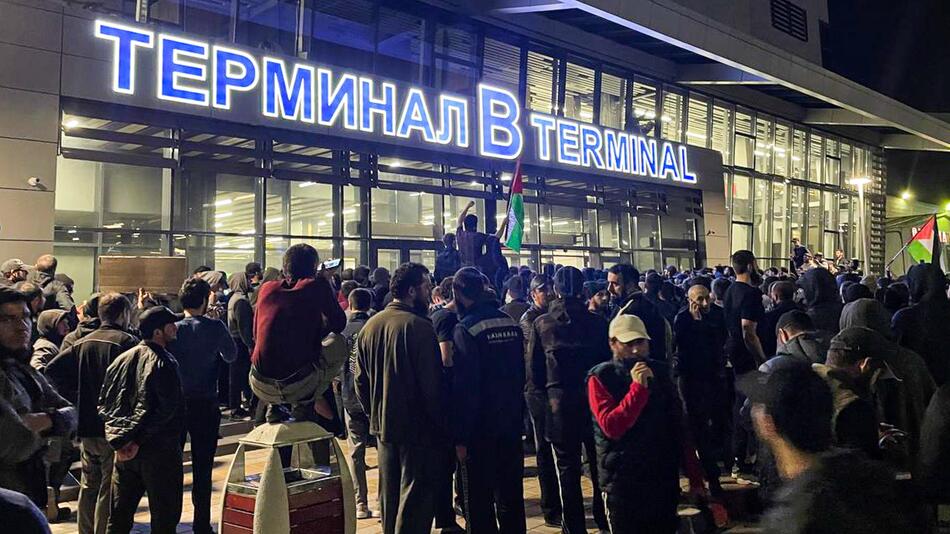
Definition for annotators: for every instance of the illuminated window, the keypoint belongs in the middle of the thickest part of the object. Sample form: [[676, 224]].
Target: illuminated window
[[542, 74], [671, 119], [579, 93], [613, 91], [697, 116]]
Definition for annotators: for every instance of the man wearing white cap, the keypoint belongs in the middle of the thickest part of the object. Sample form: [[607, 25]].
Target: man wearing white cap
[[640, 445]]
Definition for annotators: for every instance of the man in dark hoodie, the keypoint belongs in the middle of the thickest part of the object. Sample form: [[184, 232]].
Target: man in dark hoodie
[[798, 342], [380, 279], [241, 327], [822, 300], [623, 283], [56, 293], [89, 322], [567, 342], [922, 327], [52, 327]]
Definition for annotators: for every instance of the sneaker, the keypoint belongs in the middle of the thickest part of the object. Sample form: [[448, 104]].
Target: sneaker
[[239, 413], [363, 511], [276, 414], [553, 522]]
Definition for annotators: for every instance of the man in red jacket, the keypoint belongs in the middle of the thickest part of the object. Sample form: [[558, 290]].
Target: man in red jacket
[[639, 434], [293, 316]]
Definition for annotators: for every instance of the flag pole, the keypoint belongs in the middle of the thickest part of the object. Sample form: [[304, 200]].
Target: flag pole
[[901, 251], [508, 204]]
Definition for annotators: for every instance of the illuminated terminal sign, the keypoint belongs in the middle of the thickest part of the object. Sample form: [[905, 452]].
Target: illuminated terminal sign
[[227, 79]]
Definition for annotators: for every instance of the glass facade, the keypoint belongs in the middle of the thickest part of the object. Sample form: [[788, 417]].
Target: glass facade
[[223, 198]]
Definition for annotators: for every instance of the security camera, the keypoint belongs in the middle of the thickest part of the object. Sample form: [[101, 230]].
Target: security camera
[[33, 181]]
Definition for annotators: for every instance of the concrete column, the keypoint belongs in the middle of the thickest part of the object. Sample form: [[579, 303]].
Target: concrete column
[[30, 46]]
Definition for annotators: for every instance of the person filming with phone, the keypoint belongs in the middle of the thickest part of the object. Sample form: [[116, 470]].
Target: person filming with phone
[[640, 442]]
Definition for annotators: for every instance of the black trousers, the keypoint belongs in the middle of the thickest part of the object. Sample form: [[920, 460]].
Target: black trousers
[[494, 469], [202, 422], [408, 482], [239, 386], [444, 509], [156, 471], [626, 517], [707, 413], [544, 454], [568, 458]]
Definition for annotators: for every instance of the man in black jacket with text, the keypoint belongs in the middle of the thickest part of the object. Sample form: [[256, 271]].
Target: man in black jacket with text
[[486, 402]]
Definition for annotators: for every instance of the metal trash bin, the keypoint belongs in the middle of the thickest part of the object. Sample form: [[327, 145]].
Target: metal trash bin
[[311, 496]]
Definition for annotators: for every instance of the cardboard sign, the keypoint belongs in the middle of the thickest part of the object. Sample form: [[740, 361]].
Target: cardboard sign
[[157, 274]]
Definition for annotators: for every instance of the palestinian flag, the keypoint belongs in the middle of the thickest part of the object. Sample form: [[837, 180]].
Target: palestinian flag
[[924, 246], [514, 231]]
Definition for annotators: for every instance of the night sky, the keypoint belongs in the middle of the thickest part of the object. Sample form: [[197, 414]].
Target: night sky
[[900, 49]]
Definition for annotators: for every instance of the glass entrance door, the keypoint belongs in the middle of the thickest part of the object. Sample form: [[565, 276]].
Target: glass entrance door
[[393, 253]]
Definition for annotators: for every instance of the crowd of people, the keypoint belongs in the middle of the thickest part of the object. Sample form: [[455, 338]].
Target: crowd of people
[[829, 391]]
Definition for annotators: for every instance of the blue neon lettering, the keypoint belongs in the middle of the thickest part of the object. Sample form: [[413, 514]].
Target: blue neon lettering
[[647, 154], [669, 163], [634, 156], [225, 81], [618, 151], [292, 101], [415, 116], [448, 107], [499, 133], [385, 107], [567, 143], [543, 125], [172, 67], [684, 167], [123, 53], [341, 99], [591, 144]]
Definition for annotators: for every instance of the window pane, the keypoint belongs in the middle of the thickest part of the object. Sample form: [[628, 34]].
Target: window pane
[[830, 211], [352, 250], [274, 248], [648, 231], [672, 117], [780, 150], [832, 171], [579, 93], [206, 201], [644, 105], [222, 253], [814, 221], [815, 159], [541, 74], [644, 260], [399, 45], [780, 241], [722, 133], [763, 145], [741, 237], [406, 214], [741, 198], [80, 263], [797, 212], [799, 154], [299, 208], [678, 231], [846, 163], [531, 223], [613, 90], [608, 229], [573, 258], [455, 59], [565, 226], [268, 25], [208, 18], [501, 64], [745, 142], [697, 119], [343, 33], [760, 221]]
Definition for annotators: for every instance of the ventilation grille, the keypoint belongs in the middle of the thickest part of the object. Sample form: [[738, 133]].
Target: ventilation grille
[[789, 18]]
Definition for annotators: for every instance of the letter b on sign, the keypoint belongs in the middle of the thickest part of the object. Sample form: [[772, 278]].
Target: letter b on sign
[[499, 135]]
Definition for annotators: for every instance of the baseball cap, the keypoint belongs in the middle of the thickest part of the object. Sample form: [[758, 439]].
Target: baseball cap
[[540, 281], [13, 264], [626, 328], [515, 285], [155, 318]]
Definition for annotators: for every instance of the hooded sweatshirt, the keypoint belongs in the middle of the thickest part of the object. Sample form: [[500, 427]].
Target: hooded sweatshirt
[[822, 300], [240, 312], [923, 327], [868, 313]]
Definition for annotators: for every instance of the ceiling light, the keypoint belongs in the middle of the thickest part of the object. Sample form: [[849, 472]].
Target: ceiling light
[[306, 184], [907, 195], [395, 164], [75, 239], [246, 245], [860, 181], [218, 225], [273, 220], [223, 214], [348, 211], [331, 215], [70, 231], [223, 202], [71, 123], [247, 232]]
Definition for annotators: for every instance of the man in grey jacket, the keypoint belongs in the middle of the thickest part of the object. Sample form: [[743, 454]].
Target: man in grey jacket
[[30, 409], [241, 326]]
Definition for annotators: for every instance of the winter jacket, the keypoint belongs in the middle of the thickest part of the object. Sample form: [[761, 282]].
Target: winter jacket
[[380, 292], [56, 293], [700, 345], [567, 342], [488, 376], [84, 328], [637, 304], [534, 370], [933, 458], [290, 322], [81, 369], [922, 327], [809, 348], [240, 312], [201, 347], [399, 378], [44, 351], [515, 309], [639, 435], [354, 324], [447, 262], [854, 424], [142, 399], [822, 300], [868, 313], [23, 390], [766, 328]]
